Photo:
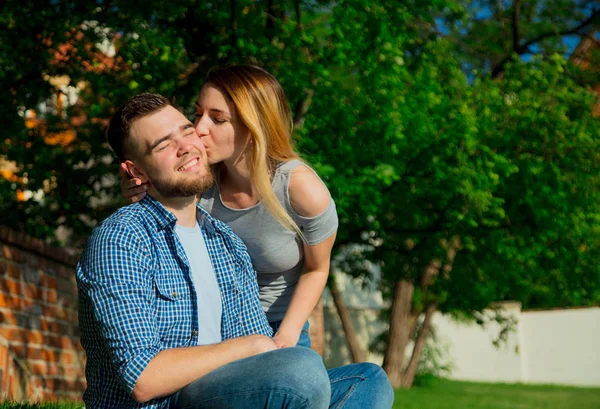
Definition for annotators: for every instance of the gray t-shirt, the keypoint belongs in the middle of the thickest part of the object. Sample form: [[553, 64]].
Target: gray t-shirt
[[208, 293], [277, 254]]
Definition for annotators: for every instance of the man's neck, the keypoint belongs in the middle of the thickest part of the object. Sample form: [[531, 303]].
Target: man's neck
[[184, 208]]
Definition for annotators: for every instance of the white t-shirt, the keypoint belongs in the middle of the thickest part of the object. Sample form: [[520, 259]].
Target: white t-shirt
[[205, 282]]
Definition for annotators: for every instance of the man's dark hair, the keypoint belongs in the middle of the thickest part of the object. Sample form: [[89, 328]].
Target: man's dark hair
[[137, 107]]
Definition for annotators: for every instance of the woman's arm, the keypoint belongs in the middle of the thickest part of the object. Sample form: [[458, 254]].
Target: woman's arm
[[309, 198]]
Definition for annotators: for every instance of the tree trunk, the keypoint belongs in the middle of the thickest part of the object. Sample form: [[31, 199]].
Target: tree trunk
[[274, 13], [411, 369], [399, 332], [356, 351], [233, 21], [316, 330], [302, 108]]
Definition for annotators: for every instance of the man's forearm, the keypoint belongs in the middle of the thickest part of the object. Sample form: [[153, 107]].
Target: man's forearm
[[173, 369]]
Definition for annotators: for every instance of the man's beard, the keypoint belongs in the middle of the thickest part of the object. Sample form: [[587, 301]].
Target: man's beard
[[185, 188]]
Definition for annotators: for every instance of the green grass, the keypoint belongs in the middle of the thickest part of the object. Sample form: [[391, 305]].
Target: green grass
[[445, 394], [13, 405]]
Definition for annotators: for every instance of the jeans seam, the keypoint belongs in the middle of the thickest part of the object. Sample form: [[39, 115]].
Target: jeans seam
[[281, 391], [343, 378], [350, 391]]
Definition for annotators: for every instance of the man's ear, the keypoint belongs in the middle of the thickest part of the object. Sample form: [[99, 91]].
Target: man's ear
[[135, 171]]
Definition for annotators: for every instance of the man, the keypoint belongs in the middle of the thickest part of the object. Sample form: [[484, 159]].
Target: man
[[169, 308]]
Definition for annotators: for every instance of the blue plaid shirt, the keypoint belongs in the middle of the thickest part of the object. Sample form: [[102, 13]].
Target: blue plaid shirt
[[136, 297]]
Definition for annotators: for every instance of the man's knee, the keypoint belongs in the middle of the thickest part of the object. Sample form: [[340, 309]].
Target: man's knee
[[305, 375], [379, 381]]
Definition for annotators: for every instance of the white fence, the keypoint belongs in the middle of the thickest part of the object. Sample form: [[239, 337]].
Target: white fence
[[550, 346]]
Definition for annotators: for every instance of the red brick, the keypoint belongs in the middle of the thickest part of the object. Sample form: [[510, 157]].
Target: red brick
[[36, 382], [10, 286], [26, 305], [19, 350], [47, 281], [31, 275], [36, 353], [67, 357], [3, 354], [14, 334], [7, 252], [50, 296], [54, 369], [10, 301], [33, 260], [66, 272], [32, 291], [48, 355], [76, 384], [56, 312], [39, 368], [49, 383], [79, 348], [14, 254], [14, 271], [66, 286], [8, 318], [51, 326]]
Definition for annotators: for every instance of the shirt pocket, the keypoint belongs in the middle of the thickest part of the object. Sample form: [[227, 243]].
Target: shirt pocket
[[174, 309], [171, 285]]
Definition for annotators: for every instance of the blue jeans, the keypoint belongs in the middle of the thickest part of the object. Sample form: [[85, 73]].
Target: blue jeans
[[304, 340], [288, 378]]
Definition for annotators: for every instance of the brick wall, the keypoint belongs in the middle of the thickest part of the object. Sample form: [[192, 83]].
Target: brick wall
[[40, 354]]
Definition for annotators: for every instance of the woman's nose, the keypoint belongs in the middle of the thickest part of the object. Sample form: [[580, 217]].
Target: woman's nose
[[201, 128]]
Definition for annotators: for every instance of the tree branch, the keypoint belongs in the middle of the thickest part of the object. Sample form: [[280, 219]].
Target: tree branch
[[302, 108], [233, 20], [574, 30], [411, 369], [515, 24], [298, 16], [356, 351], [521, 49]]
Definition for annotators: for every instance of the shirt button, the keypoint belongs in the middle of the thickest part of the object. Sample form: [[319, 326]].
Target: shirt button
[[194, 332], [174, 294]]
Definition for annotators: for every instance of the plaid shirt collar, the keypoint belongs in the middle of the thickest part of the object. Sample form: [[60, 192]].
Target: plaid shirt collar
[[165, 219]]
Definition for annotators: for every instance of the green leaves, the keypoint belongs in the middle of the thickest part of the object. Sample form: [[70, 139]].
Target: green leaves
[[415, 145]]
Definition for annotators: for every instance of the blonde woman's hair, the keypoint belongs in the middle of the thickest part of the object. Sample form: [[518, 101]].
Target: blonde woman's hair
[[261, 104]]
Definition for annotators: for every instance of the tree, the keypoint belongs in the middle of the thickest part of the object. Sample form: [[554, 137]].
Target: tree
[[465, 190], [435, 169], [497, 32]]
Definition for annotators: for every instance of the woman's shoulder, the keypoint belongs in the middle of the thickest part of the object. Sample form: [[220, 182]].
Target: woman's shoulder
[[307, 193]]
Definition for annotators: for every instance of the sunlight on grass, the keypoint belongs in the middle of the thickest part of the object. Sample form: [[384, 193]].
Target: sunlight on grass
[[444, 394]]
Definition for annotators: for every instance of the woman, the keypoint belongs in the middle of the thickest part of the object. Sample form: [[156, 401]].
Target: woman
[[275, 203]]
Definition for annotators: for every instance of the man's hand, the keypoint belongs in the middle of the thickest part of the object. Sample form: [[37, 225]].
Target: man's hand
[[284, 340], [132, 189], [263, 344]]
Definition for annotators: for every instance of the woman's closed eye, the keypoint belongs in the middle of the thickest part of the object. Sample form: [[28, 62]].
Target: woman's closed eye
[[215, 119]]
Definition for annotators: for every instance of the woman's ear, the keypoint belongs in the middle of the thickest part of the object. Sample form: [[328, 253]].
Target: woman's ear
[[135, 172]]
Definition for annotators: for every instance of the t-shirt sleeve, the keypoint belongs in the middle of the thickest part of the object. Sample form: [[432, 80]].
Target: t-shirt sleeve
[[317, 228]]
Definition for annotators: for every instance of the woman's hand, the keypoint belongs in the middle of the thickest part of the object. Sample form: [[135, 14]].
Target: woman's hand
[[283, 340], [132, 189]]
